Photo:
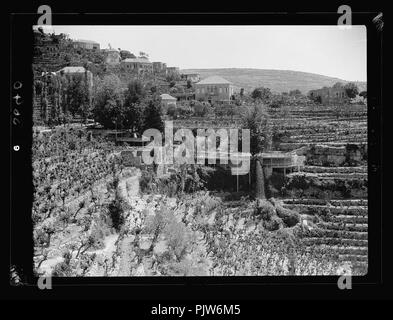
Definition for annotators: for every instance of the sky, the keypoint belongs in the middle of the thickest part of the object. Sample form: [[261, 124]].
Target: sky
[[325, 50]]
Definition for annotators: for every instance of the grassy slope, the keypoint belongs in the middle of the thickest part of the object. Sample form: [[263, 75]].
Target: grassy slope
[[276, 80]]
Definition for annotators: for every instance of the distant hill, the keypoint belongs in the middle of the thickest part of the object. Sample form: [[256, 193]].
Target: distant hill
[[277, 80]]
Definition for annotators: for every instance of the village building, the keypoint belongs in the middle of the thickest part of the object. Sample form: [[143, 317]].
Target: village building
[[112, 56], [193, 77], [76, 71], [330, 95], [167, 100], [214, 89], [137, 65], [173, 71], [159, 67], [86, 44]]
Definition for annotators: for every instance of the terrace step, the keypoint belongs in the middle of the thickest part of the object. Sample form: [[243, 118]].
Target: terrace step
[[320, 169], [329, 176], [332, 202], [353, 257], [358, 227], [342, 250], [340, 234], [335, 241], [341, 218], [334, 210]]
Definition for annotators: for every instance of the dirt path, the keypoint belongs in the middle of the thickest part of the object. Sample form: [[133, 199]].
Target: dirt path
[[126, 256]]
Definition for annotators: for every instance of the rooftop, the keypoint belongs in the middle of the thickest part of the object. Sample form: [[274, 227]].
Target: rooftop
[[214, 80], [72, 70], [166, 96], [138, 60], [86, 41]]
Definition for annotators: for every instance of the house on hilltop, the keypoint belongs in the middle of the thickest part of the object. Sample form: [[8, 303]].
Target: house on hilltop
[[112, 56], [159, 67], [76, 71], [214, 89], [173, 71], [86, 44], [137, 65]]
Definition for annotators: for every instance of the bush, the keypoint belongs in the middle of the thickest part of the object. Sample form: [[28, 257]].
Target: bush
[[116, 212], [177, 238], [289, 217], [265, 209]]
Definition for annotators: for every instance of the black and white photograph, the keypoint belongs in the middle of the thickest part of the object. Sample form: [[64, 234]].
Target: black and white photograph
[[196, 155], [234, 151]]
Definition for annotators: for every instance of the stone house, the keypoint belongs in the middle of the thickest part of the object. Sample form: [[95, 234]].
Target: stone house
[[173, 71], [193, 77], [214, 89], [159, 67], [86, 44], [76, 71], [112, 56], [137, 65], [330, 95]]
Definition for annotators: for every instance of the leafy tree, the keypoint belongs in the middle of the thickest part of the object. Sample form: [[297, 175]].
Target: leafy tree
[[200, 110], [116, 211], [276, 102], [75, 95], [363, 94], [256, 120], [351, 90], [135, 92], [108, 102], [133, 106], [261, 93], [152, 115]]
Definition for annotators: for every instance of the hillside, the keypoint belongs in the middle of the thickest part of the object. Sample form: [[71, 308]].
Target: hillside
[[276, 80]]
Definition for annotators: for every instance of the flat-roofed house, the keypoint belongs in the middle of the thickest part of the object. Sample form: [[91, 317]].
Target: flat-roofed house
[[173, 71], [86, 44], [159, 67], [137, 65], [330, 95], [214, 89]]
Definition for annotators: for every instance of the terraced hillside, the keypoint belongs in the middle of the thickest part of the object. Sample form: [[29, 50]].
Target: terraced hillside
[[331, 191]]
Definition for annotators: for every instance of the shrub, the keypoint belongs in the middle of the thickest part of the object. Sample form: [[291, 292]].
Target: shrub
[[177, 237], [289, 217], [116, 212]]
